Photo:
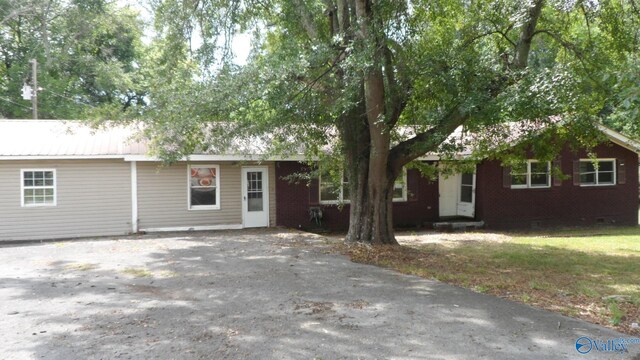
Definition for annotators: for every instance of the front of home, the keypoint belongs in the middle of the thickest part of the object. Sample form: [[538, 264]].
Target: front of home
[[499, 197], [62, 180], [96, 197]]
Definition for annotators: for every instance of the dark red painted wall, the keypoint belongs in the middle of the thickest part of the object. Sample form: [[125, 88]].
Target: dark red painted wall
[[499, 207], [294, 200], [565, 205]]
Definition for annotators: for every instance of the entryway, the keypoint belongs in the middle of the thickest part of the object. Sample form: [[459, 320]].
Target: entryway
[[255, 197], [457, 195]]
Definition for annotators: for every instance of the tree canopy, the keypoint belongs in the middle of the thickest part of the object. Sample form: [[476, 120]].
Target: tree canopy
[[378, 83], [89, 55]]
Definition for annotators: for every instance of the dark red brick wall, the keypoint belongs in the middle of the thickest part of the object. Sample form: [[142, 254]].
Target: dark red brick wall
[[294, 200], [565, 205]]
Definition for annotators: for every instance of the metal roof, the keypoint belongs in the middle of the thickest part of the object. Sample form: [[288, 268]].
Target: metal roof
[[58, 139], [55, 138]]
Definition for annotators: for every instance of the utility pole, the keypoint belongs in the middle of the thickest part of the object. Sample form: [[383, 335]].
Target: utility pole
[[34, 91]]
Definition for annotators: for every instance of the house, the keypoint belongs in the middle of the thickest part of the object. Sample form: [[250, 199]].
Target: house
[[498, 197], [62, 180]]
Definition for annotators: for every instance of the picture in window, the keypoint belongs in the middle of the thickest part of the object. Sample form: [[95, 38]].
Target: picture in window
[[203, 186]]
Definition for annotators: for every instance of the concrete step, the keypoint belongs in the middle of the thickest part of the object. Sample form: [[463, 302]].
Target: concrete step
[[458, 225]]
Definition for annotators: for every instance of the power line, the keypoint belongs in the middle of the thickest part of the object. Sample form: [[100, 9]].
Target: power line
[[15, 103], [77, 101]]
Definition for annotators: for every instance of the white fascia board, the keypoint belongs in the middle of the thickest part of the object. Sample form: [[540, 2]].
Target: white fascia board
[[220, 158], [620, 139], [429, 157], [60, 157]]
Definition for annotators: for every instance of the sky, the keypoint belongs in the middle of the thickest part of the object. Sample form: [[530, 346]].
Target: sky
[[241, 43]]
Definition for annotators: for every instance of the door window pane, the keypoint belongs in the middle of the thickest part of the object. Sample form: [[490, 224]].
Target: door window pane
[[467, 179], [254, 191], [466, 194]]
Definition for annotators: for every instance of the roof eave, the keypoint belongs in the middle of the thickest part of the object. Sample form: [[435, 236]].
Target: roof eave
[[59, 157], [620, 139]]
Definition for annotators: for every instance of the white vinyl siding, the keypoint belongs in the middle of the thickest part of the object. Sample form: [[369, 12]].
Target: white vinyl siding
[[532, 174], [93, 198], [163, 196], [599, 172]]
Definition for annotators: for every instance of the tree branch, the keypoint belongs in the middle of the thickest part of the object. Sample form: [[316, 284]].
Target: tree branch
[[397, 96], [497, 31], [426, 141], [305, 19], [571, 47], [341, 56], [523, 47]]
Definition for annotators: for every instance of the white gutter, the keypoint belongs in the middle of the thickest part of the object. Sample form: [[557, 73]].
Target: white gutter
[[60, 157]]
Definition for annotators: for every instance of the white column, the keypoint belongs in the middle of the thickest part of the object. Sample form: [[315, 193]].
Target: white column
[[134, 197]]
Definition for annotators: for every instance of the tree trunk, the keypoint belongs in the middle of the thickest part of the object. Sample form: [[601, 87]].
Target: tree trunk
[[371, 205], [370, 180], [370, 190]]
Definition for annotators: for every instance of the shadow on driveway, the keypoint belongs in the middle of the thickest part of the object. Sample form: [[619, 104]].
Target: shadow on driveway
[[255, 294]]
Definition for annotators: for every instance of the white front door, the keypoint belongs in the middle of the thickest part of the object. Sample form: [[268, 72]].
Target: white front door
[[448, 189], [467, 195], [255, 197]]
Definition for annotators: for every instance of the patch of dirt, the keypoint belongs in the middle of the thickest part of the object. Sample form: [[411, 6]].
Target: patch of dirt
[[358, 304], [158, 292], [314, 308], [433, 237]]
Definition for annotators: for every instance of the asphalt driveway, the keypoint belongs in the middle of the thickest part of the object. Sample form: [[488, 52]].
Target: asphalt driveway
[[267, 294]]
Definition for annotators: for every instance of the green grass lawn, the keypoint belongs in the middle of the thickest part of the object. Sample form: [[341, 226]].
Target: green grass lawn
[[571, 271]]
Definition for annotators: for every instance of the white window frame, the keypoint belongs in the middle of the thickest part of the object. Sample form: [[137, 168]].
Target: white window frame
[[203, 207], [340, 194], [597, 173], [404, 187], [54, 187], [342, 200], [528, 174]]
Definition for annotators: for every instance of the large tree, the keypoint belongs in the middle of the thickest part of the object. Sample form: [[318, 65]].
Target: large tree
[[379, 83], [89, 55]]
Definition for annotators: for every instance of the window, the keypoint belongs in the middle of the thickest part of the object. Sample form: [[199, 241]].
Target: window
[[597, 172], [331, 193], [400, 187], [204, 184], [38, 187], [531, 174]]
